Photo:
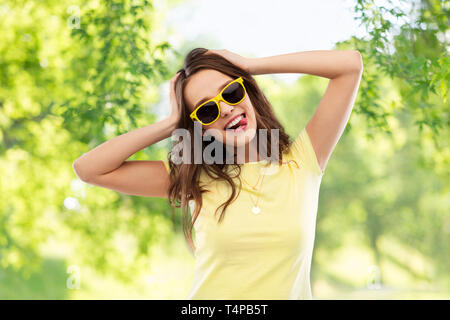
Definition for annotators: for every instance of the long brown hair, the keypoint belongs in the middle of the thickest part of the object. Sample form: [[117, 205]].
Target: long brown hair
[[184, 178]]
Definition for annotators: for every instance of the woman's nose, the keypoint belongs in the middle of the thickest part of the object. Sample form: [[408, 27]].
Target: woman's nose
[[225, 109]]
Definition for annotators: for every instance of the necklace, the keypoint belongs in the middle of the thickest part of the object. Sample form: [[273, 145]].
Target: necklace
[[267, 171], [253, 187], [255, 209]]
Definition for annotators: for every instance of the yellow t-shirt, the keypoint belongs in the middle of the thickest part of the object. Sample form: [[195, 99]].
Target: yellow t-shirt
[[266, 255]]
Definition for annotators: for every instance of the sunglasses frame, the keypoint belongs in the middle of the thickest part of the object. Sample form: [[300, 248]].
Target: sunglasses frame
[[218, 98]]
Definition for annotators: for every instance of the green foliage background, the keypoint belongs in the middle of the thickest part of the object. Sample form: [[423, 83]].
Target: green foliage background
[[75, 75]]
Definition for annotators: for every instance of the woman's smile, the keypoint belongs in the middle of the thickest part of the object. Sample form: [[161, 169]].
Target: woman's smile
[[239, 124]]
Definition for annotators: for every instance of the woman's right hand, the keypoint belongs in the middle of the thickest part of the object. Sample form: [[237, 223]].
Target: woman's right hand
[[175, 112]]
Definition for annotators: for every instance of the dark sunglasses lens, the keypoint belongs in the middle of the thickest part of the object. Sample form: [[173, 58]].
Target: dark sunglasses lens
[[234, 93], [208, 112]]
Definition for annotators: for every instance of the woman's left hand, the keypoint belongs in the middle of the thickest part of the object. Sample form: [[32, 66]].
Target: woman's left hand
[[234, 58]]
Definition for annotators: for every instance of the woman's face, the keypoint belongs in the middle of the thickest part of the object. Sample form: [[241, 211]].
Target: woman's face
[[206, 84]]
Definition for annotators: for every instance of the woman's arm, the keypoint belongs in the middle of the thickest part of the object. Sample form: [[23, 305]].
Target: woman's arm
[[111, 154], [323, 63], [344, 69], [106, 165]]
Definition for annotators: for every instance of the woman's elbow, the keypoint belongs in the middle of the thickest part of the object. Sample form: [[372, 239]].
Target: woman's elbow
[[79, 171], [358, 61]]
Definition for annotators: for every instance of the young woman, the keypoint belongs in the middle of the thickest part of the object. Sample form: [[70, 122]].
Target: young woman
[[261, 244]]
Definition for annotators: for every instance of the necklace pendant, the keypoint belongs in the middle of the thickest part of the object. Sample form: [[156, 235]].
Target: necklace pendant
[[256, 210]]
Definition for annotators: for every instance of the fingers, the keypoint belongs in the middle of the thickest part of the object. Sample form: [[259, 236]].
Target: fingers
[[172, 82], [175, 77], [175, 110], [219, 51]]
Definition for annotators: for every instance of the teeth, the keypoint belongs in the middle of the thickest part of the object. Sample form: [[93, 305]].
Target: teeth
[[234, 122]]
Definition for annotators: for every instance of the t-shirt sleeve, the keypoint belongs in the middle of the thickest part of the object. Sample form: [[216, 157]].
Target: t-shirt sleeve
[[166, 164], [303, 151]]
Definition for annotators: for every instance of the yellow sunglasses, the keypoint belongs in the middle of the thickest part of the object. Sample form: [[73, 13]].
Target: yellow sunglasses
[[209, 111]]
